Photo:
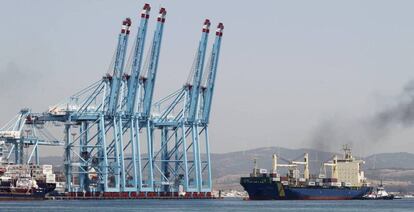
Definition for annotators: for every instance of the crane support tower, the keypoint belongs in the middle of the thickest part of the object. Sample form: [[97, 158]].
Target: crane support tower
[[117, 141]]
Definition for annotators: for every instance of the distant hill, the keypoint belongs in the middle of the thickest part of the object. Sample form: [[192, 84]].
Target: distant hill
[[242, 162], [52, 160], [396, 169], [400, 160]]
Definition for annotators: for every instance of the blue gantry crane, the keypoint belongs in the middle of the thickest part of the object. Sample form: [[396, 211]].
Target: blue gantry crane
[[116, 140], [208, 87], [182, 151], [116, 78], [133, 80]]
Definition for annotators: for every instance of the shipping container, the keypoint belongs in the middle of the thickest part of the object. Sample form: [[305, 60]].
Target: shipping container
[[276, 179], [263, 171], [330, 180], [284, 178]]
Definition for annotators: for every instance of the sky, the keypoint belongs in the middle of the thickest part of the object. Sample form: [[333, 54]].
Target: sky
[[289, 71]]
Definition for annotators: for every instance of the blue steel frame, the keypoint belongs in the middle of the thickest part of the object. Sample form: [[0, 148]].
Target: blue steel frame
[[116, 139]]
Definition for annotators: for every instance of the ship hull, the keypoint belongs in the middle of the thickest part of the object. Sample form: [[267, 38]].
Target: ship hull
[[49, 187], [265, 189], [37, 194]]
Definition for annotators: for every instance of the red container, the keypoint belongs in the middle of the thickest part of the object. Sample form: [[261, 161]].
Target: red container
[[133, 194], [284, 178], [124, 194], [107, 194], [208, 194], [330, 180]]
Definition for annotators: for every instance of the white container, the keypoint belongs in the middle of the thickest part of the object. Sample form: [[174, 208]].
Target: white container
[[263, 171], [337, 184], [50, 180], [47, 172], [50, 177], [276, 179], [47, 166], [10, 134]]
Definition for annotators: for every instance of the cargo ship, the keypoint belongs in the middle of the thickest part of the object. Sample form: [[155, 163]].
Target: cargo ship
[[346, 180], [24, 188], [26, 182]]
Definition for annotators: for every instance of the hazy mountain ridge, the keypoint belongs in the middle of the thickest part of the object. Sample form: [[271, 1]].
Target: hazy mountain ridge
[[399, 160], [396, 169]]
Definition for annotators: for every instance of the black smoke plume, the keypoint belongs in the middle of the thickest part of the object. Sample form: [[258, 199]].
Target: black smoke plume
[[330, 134]]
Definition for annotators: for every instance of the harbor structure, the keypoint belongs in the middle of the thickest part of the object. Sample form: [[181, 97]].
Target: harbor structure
[[117, 140]]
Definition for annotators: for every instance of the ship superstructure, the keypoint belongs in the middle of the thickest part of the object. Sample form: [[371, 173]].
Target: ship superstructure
[[349, 169]]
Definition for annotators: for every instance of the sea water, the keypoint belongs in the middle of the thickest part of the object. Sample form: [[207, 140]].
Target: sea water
[[233, 205]]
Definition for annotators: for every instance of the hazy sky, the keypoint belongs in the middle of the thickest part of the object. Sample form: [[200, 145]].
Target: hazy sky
[[286, 67]]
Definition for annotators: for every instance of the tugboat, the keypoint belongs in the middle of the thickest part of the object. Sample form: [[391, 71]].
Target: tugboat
[[379, 194]]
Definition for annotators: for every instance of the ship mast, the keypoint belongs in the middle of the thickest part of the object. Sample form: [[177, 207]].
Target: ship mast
[[347, 152]]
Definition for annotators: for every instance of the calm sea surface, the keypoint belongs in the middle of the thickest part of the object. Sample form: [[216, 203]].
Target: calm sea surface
[[233, 205]]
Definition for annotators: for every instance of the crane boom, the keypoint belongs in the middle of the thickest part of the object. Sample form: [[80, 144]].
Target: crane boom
[[195, 87], [119, 66], [137, 60], [149, 80], [332, 164], [209, 88]]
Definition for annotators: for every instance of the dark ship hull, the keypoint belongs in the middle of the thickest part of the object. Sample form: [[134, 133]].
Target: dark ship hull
[[34, 194], [49, 187], [263, 188], [8, 192]]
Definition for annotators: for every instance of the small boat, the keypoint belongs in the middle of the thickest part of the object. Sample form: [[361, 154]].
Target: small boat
[[379, 194]]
